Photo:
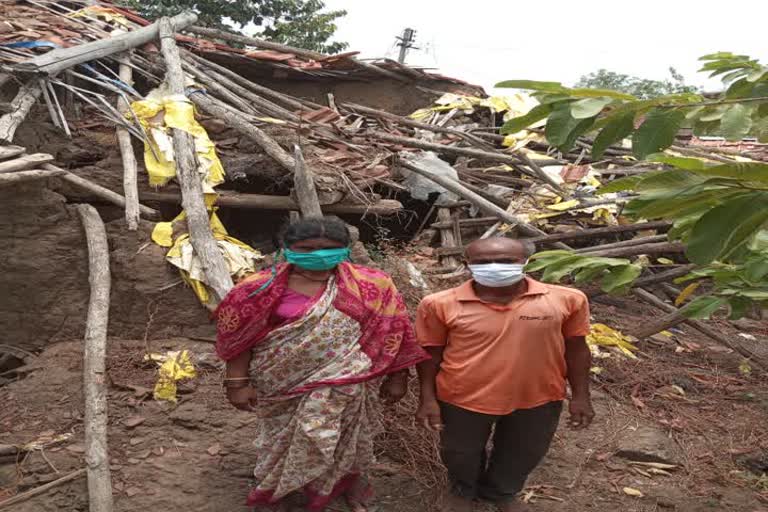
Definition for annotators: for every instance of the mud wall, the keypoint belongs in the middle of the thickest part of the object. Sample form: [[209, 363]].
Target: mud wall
[[44, 276]]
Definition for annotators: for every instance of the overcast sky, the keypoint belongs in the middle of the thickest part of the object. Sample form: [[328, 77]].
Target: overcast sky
[[486, 41]]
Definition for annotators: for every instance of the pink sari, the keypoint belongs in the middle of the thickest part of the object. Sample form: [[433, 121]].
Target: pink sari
[[317, 377]]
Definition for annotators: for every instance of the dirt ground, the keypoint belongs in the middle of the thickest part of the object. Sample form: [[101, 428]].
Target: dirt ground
[[683, 399]]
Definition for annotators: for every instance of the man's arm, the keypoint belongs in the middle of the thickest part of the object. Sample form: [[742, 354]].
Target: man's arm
[[429, 409], [578, 360]]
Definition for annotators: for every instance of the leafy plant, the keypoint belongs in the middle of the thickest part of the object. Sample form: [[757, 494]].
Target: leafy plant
[[300, 23], [615, 274]]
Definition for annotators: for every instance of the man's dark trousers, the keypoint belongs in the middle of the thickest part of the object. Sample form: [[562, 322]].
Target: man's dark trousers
[[520, 441]]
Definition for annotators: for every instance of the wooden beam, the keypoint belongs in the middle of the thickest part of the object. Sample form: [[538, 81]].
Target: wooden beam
[[200, 235], [466, 223], [10, 152], [20, 107], [60, 59], [262, 202], [447, 238], [130, 167], [581, 234], [24, 176], [636, 250], [94, 362], [100, 192], [25, 162], [624, 243], [304, 187]]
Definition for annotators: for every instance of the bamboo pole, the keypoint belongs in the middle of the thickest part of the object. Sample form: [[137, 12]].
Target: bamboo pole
[[94, 365], [130, 167], [19, 109], [60, 59], [205, 246]]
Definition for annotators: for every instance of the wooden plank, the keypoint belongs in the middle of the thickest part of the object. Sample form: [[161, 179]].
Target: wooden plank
[[60, 59], [447, 238], [94, 362], [200, 234]]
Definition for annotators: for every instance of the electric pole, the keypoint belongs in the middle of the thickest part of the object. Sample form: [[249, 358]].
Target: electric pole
[[406, 43]]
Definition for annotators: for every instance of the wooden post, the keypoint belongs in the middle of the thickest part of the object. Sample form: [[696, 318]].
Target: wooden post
[[20, 107], [201, 237], [447, 237], [130, 168], [304, 186], [64, 58], [94, 365]]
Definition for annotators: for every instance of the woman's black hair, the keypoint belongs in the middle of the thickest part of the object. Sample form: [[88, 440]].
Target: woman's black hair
[[331, 228]]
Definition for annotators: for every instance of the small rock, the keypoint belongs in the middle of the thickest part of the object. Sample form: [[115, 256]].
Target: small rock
[[115, 467], [132, 491], [214, 450], [158, 451], [76, 448], [134, 461], [142, 454], [134, 421], [647, 444], [136, 440]]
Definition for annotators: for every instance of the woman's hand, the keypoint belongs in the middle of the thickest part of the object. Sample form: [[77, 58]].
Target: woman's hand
[[428, 415], [394, 388], [243, 398]]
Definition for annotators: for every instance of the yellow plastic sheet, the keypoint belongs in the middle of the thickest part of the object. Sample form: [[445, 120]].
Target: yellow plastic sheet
[[158, 116], [174, 366], [511, 106], [603, 336], [104, 13]]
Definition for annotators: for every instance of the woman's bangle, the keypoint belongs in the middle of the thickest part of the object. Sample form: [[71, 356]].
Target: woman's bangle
[[236, 382]]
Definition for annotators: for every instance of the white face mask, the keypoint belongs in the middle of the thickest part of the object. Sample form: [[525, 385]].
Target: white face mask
[[497, 275]]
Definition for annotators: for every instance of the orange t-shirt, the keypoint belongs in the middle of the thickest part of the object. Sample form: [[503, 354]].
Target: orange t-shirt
[[500, 358]]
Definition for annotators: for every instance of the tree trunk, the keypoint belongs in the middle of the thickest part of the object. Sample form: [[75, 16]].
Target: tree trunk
[[304, 187], [20, 107], [200, 235], [94, 365]]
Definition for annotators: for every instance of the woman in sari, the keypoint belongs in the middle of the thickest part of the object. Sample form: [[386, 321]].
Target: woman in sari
[[311, 347]]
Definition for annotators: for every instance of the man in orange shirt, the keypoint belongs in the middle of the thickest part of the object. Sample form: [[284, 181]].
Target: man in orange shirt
[[502, 346]]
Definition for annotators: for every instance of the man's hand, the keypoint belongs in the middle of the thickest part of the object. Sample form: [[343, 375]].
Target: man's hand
[[428, 415], [581, 412], [242, 398], [394, 388]]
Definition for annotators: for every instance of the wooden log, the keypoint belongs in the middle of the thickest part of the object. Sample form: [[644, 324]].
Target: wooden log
[[289, 101], [19, 109], [647, 330], [23, 176], [262, 202], [10, 152], [60, 59], [635, 250], [101, 192], [304, 187], [602, 232], [623, 243], [482, 203], [94, 362], [701, 327], [130, 167], [467, 223], [200, 235], [19, 498], [242, 125], [224, 93], [25, 162], [447, 238]]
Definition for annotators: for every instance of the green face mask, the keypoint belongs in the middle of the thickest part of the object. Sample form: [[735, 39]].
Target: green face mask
[[322, 259]]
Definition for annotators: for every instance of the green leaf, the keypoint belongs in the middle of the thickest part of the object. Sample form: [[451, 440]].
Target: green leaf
[[620, 185], [755, 294], [516, 124], [600, 93], [553, 87], [588, 107], [681, 162], [658, 132], [727, 227], [736, 122], [556, 271], [757, 74], [620, 277], [739, 307], [541, 259], [742, 171], [712, 114], [756, 269], [739, 89], [619, 127], [588, 274], [702, 307], [562, 129]]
